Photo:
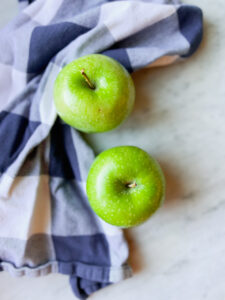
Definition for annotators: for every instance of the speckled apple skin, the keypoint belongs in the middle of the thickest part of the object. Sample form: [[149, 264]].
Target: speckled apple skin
[[94, 110], [107, 189]]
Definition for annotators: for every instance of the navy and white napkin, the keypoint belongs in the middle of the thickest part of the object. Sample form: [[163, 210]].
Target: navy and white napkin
[[46, 224]]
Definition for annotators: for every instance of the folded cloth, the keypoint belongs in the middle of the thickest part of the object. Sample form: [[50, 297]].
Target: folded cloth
[[46, 223]]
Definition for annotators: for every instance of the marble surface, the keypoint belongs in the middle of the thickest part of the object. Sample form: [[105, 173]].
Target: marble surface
[[179, 118]]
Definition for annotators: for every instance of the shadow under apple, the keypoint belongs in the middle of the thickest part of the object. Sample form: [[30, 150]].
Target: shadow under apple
[[135, 259]]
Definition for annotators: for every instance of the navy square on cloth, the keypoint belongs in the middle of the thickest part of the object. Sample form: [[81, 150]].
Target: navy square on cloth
[[191, 30], [63, 158], [90, 249], [120, 55], [15, 131], [47, 41]]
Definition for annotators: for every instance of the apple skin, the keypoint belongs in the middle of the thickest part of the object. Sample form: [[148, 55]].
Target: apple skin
[[107, 186], [94, 110]]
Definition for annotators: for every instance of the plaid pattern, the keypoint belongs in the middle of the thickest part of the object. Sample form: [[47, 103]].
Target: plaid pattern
[[46, 224]]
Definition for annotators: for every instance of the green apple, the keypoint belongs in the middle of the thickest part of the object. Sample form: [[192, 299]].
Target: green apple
[[125, 186], [94, 93]]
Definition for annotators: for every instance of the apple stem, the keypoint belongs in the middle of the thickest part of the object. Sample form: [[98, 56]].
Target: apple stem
[[91, 85], [132, 184]]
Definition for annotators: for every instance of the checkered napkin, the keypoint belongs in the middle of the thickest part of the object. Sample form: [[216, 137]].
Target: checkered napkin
[[46, 224]]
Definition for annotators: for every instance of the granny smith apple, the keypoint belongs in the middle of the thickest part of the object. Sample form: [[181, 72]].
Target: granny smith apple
[[94, 93], [125, 186]]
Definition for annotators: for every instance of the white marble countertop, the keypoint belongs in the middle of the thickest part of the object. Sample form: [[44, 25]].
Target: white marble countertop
[[179, 117]]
